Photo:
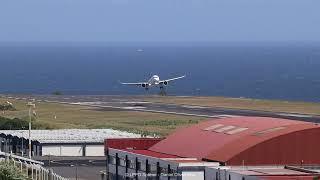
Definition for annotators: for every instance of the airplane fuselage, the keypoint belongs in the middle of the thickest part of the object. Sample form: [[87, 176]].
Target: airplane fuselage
[[154, 80]]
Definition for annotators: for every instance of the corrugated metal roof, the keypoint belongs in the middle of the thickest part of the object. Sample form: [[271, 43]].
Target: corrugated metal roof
[[131, 143], [203, 141], [150, 153], [70, 135]]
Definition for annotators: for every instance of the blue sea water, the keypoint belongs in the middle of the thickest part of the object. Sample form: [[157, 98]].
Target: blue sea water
[[267, 71]]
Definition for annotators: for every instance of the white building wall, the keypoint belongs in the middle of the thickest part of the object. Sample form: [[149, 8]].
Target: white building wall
[[192, 175], [51, 150], [94, 150], [71, 150], [62, 150]]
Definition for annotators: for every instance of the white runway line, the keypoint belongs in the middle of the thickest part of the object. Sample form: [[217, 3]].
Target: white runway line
[[142, 109], [194, 107], [295, 115]]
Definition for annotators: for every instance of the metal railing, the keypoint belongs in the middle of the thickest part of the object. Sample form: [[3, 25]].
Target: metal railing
[[31, 168]]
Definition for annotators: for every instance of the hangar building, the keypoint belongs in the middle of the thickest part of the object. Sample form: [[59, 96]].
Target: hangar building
[[244, 141], [62, 142]]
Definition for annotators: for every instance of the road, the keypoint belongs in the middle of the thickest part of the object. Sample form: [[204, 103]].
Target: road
[[75, 168], [136, 103]]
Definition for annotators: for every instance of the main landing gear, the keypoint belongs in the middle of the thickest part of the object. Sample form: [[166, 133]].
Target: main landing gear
[[162, 91]]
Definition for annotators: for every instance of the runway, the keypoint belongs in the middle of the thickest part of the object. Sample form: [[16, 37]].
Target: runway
[[137, 103]]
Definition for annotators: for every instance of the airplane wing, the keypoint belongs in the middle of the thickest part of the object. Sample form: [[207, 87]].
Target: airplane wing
[[172, 79], [136, 83]]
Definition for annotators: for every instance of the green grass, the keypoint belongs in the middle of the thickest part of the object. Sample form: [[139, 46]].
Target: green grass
[[58, 116]]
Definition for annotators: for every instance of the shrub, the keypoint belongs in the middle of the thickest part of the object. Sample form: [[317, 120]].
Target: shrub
[[8, 171]]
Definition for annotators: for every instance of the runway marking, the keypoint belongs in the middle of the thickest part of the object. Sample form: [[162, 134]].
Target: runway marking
[[133, 107], [295, 115], [147, 110], [135, 102], [194, 107]]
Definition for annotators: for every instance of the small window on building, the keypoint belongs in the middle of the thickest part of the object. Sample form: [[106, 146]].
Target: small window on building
[[139, 166], [173, 171], [153, 168], [112, 160], [143, 167], [122, 162], [131, 164], [148, 167], [163, 170]]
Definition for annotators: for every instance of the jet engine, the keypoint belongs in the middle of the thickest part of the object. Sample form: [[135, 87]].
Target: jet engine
[[165, 83], [144, 85]]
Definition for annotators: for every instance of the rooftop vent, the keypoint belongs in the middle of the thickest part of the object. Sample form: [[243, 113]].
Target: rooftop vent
[[226, 128], [268, 131], [213, 127], [237, 130]]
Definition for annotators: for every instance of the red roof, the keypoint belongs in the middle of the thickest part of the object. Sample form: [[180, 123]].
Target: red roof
[[150, 153], [222, 139], [131, 143]]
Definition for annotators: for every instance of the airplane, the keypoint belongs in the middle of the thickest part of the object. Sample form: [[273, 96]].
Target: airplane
[[154, 81]]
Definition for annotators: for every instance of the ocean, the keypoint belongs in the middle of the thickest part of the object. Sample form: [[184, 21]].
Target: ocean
[[264, 71]]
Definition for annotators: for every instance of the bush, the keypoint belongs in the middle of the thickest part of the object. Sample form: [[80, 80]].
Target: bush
[[8, 171], [7, 107], [13, 124], [17, 124]]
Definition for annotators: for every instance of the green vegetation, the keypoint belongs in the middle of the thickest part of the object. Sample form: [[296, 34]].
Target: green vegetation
[[61, 116], [7, 107], [57, 116], [16, 124], [13, 124], [8, 171]]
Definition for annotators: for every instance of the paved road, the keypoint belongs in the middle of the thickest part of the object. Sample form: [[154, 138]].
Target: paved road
[[136, 103], [80, 168]]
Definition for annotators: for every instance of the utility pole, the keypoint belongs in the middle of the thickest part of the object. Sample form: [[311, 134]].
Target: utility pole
[[30, 105]]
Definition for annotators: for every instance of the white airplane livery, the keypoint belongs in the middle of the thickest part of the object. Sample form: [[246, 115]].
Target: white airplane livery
[[154, 81]]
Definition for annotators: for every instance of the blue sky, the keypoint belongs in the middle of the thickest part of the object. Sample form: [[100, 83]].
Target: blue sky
[[159, 20]]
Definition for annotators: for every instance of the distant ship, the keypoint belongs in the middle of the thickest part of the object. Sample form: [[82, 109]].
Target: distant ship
[[139, 50]]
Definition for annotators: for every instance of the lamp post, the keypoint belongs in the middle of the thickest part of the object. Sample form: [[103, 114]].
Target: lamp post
[[30, 105]]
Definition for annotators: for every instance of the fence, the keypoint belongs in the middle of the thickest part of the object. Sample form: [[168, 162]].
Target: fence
[[33, 169]]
